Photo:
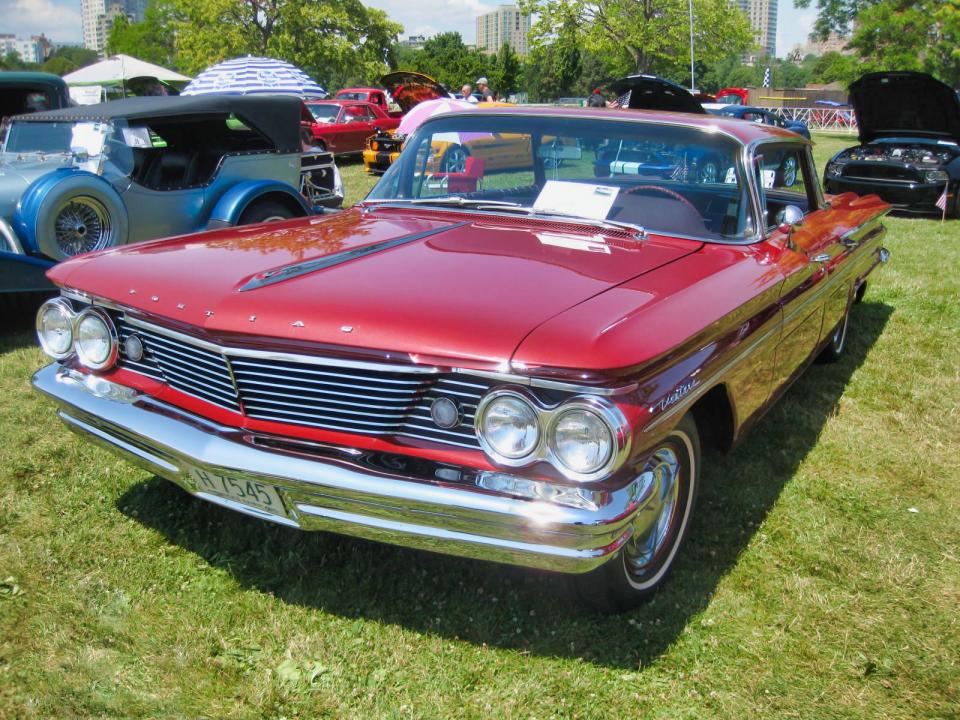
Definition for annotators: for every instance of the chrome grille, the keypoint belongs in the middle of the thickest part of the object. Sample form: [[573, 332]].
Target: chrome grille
[[184, 366], [328, 396]]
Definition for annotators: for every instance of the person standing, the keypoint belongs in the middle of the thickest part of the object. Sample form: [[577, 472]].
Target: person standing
[[596, 99], [484, 89]]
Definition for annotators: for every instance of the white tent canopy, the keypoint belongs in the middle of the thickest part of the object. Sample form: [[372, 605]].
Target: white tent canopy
[[120, 68]]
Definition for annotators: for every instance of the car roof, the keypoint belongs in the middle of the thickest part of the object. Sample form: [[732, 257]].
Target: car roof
[[276, 116], [744, 132], [32, 79]]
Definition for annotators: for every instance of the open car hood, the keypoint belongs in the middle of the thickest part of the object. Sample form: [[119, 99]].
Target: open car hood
[[898, 104], [409, 88], [649, 92]]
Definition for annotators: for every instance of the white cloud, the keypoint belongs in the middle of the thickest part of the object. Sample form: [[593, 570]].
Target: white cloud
[[59, 20], [428, 17]]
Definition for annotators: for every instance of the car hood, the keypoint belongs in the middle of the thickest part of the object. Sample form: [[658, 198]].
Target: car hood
[[454, 286], [17, 175], [409, 88], [903, 104]]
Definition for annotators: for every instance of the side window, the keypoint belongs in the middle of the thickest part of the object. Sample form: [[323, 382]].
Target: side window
[[785, 176]]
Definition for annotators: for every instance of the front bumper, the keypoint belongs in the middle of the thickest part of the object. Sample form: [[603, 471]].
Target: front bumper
[[901, 194], [323, 487], [378, 162]]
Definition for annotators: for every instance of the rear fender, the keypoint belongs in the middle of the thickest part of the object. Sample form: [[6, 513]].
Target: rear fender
[[231, 205]]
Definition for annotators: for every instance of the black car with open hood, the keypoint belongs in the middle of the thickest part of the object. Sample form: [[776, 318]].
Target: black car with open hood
[[649, 92], [909, 130]]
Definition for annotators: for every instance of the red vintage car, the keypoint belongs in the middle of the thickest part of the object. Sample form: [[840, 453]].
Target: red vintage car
[[343, 126], [519, 366]]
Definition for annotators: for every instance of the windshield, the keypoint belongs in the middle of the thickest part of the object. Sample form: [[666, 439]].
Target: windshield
[[361, 96], [679, 180], [324, 113], [57, 137]]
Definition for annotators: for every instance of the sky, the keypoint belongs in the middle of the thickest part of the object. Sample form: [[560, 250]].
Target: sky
[[60, 19]]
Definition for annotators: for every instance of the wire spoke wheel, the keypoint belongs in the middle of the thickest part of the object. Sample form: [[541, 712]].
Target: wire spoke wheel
[[82, 225]]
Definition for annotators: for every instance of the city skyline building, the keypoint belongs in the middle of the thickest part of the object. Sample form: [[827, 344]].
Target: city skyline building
[[97, 17], [504, 26], [762, 15]]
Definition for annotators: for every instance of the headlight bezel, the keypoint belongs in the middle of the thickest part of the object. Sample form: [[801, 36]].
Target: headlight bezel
[[65, 307], [941, 176], [548, 415], [112, 338]]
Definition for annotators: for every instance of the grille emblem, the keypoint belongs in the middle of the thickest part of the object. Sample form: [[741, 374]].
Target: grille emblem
[[445, 413]]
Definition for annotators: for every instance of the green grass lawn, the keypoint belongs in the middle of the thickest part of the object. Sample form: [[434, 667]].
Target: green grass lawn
[[821, 580]]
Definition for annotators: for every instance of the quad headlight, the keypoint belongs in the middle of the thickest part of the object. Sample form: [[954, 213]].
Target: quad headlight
[[89, 334], [95, 339], [581, 440], [55, 328], [585, 438], [508, 425]]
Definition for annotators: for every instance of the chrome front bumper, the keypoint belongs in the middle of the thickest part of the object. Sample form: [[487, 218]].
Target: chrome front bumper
[[440, 507]]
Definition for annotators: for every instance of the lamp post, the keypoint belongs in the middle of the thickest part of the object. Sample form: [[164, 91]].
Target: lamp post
[[693, 81]]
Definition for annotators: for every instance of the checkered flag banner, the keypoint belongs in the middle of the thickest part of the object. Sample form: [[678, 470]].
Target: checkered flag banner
[[766, 77]]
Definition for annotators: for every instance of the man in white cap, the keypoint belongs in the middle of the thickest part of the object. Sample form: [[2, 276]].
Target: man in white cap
[[485, 90]]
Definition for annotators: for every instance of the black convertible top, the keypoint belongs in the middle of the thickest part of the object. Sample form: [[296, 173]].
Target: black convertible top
[[276, 116]]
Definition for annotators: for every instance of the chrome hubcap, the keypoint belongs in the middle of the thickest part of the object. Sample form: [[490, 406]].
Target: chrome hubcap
[[662, 473], [82, 225]]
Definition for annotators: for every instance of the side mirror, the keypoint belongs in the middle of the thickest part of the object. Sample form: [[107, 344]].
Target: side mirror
[[790, 217]]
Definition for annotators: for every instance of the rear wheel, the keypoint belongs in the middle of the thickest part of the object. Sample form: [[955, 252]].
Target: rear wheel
[[672, 474], [266, 211], [838, 340], [788, 171]]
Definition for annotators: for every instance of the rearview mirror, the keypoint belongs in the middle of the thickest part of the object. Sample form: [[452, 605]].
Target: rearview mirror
[[790, 217]]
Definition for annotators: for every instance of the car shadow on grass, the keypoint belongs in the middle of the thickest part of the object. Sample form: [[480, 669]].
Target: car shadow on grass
[[512, 608]]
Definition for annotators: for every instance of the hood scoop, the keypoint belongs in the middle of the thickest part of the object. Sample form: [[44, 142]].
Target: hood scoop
[[287, 272]]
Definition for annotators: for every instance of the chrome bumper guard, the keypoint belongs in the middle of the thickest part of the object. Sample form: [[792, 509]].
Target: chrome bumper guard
[[338, 489]]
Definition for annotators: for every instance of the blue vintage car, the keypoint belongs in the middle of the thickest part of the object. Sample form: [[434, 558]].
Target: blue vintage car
[[760, 115], [82, 179]]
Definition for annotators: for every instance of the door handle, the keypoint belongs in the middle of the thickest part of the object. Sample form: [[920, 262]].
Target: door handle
[[822, 258]]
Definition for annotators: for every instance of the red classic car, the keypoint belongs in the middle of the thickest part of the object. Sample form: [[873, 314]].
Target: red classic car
[[519, 367], [343, 126]]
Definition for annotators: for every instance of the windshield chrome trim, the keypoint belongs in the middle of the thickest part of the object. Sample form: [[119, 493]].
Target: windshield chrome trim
[[745, 162]]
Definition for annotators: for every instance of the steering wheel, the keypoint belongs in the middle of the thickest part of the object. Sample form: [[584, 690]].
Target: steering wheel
[[665, 191]]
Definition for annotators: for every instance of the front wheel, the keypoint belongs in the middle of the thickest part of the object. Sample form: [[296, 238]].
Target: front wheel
[[454, 160], [671, 476]]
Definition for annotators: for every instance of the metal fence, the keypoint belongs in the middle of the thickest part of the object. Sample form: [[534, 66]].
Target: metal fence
[[834, 119]]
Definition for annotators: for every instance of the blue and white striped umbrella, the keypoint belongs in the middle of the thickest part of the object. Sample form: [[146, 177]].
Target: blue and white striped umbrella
[[254, 76]]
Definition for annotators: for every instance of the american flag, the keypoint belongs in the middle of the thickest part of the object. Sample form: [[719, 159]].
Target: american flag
[[622, 101], [942, 200]]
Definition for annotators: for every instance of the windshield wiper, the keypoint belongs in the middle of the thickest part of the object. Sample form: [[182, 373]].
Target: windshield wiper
[[454, 200], [638, 231]]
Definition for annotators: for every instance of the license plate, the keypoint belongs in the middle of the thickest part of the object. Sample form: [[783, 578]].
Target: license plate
[[261, 496]]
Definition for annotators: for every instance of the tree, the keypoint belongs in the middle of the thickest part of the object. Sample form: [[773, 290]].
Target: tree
[[834, 67], [653, 35], [447, 60], [336, 41], [505, 75], [151, 40], [896, 34]]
